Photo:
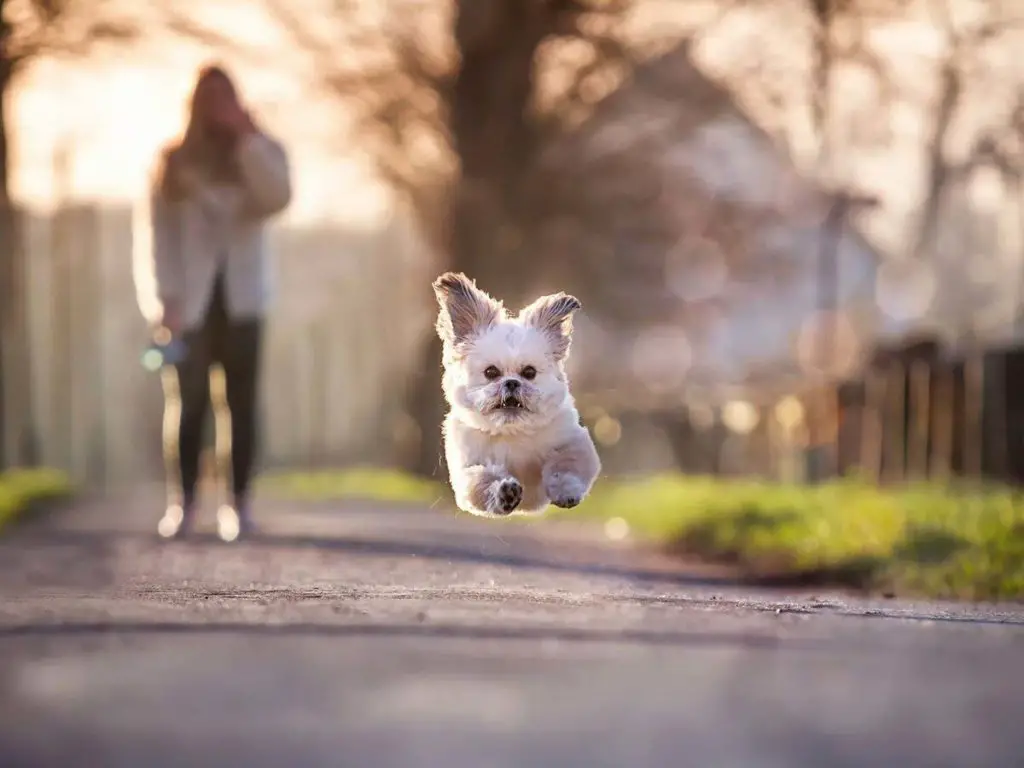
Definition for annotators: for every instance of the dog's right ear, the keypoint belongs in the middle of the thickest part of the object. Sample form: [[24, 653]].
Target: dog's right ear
[[465, 309]]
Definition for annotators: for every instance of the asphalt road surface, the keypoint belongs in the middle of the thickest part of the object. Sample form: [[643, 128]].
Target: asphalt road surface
[[365, 636]]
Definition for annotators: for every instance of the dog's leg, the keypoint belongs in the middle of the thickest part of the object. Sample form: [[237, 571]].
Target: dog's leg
[[571, 470], [487, 490]]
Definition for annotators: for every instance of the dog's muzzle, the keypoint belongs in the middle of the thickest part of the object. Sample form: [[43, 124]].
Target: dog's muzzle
[[510, 394]]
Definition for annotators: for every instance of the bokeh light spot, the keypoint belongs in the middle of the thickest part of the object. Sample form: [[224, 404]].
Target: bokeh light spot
[[789, 412], [152, 360], [616, 529], [608, 430], [740, 417]]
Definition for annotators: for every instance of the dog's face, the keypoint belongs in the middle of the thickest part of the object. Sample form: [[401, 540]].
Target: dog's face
[[503, 374]]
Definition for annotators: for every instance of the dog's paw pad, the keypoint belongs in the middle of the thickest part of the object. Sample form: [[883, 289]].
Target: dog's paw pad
[[509, 494], [566, 502], [565, 491]]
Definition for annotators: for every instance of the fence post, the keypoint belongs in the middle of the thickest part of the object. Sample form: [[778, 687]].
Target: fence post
[[872, 432], [894, 464], [974, 384], [920, 395], [943, 418]]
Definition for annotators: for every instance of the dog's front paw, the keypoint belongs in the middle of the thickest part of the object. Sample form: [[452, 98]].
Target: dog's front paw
[[565, 491], [506, 496]]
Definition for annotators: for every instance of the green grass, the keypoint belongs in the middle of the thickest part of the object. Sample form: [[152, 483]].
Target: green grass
[[925, 540], [22, 488], [366, 483]]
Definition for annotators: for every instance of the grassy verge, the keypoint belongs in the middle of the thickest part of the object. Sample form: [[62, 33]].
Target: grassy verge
[[926, 540], [21, 489], [365, 483]]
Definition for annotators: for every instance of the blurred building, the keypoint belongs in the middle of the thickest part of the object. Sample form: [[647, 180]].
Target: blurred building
[[697, 247]]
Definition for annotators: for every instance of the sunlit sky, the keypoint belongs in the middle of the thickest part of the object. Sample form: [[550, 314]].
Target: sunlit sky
[[104, 120], [107, 116]]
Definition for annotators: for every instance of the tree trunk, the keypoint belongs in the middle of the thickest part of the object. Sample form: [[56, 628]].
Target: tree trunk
[[495, 141], [938, 168], [7, 250]]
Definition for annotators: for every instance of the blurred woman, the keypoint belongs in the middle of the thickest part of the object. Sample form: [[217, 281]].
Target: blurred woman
[[204, 280]]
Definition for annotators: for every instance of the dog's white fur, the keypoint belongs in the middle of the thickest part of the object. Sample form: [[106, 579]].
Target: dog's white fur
[[513, 441]]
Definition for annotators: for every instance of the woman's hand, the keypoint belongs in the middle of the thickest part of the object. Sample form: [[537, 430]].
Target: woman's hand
[[233, 118], [171, 319]]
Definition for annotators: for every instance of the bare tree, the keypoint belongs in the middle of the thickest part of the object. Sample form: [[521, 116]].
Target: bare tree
[[455, 100], [964, 44], [30, 29]]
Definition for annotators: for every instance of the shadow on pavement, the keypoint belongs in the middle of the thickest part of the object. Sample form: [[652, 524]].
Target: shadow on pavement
[[470, 553], [462, 553], [420, 630]]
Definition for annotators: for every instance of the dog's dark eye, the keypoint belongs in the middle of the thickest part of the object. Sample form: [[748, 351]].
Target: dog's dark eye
[[529, 373], [491, 372]]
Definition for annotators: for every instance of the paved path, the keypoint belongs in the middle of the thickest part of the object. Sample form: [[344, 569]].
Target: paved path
[[363, 636]]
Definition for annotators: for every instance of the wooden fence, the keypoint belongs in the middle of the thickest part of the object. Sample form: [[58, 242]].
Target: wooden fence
[[348, 317], [916, 411]]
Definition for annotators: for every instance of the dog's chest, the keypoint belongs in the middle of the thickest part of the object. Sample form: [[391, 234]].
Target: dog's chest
[[524, 460], [515, 455]]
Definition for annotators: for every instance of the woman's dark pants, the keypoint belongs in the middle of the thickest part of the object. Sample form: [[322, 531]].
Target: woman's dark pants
[[235, 345]]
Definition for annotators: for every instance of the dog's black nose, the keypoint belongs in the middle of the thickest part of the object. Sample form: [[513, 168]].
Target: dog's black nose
[[512, 386]]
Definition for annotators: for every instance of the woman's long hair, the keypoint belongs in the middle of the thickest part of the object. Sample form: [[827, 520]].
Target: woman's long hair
[[198, 156]]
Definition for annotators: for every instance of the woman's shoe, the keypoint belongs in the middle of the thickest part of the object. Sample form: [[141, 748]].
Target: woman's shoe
[[234, 522], [176, 522]]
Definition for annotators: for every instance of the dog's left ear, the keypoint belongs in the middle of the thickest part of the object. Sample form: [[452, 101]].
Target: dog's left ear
[[553, 315]]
